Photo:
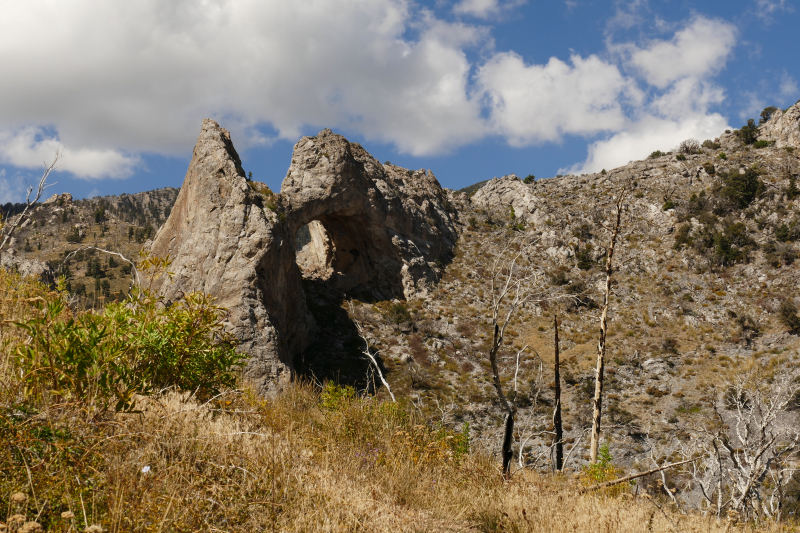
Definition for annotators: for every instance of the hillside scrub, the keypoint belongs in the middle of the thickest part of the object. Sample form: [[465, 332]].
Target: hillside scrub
[[307, 459]]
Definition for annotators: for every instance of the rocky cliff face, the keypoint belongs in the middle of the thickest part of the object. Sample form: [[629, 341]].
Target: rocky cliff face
[[224, 242], [385, 228], [506, 194], [375, 230], [783, 128]]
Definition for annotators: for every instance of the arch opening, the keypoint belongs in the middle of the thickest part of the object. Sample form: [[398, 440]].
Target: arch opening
[[339, 250]]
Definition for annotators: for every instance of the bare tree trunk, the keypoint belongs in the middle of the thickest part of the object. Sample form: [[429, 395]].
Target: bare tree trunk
[[506, 452], [7, 229], [366, 351], [557, 425], [601, 345]]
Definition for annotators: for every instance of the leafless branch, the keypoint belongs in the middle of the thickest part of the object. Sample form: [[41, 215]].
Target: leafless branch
[[7, 230], [366, 351]]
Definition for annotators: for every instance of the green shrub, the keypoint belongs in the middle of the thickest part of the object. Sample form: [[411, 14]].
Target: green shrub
[[722, 156], [763, 144], [742, 189], [530, 178], [603, 470], [683, 236], [134, 347], [792, 191], [656, 154], [680, 157], [748, 133], [583, 256], [397, 313], [766, 114], [782, 233]]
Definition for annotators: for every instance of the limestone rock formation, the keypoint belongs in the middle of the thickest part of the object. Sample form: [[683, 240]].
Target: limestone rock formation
[[59, 199], [27, 267], [376, 230], [783, 128], [225, 242], [381, 229], [502, 194]]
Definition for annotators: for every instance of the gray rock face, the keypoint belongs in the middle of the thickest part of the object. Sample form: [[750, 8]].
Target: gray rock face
[[223, 242], [374, 228], [385, 227], [507, 192], [27, 267], [783, 128]]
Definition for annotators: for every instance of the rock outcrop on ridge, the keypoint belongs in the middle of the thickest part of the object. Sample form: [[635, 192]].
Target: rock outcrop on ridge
[[384, 227], [27, 267], [783, 128], [377, 230], [224, 242], [505, 194]]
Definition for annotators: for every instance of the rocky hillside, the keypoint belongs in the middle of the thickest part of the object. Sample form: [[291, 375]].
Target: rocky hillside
[[61, 225], [706, 278]]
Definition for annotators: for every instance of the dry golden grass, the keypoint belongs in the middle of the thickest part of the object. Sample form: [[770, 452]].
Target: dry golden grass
[[304, 460], [292, 464]]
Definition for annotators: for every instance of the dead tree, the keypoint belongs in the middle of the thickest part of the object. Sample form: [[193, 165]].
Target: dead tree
[[756, 438], [368, 352], [557, 424], [511, 285], [601, 345], [8, 228]]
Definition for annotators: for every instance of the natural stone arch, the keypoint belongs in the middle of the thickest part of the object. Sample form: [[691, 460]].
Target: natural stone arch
[[235, 240], [385, 228]]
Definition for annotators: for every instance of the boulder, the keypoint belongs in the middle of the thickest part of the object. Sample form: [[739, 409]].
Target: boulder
[[501, 194], [27, 267], [783, 128]]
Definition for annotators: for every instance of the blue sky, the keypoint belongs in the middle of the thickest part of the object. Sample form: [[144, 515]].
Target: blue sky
[[470, 89]]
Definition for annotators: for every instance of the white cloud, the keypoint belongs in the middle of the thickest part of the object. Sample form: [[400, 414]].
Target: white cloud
[[755, 104], [788, 87], [700, 49], [30, 147], [682, 67], [765, 8], [141, 75], [484, 8], [646, 135], [538, 103], [627, 14]]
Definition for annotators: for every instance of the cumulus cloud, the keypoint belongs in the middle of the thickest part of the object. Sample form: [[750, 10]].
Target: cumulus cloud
[[484, 8], [141, 75], [538, 103], [30, 147], [138, 77], [646, 135], [698, 50], [682, 67]]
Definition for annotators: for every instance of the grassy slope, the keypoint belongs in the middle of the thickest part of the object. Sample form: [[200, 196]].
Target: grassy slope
[[304, 460]]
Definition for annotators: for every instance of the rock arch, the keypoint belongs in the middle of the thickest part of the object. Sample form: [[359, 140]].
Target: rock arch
[[386, 229]]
